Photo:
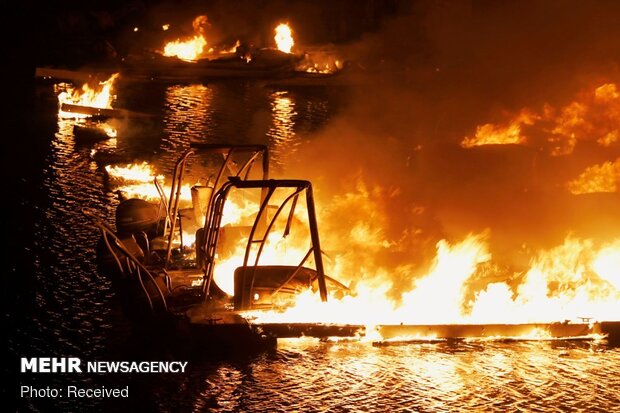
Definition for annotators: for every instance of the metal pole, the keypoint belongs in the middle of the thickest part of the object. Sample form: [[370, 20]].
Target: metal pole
[[316, 244]]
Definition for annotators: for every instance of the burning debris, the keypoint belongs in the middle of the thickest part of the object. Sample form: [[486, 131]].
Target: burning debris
[[194, 50], [86, 101]]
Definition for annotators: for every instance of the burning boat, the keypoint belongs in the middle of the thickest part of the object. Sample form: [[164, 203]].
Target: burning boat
[[265, 63], [164, 279], [192, 58], [212, 261]]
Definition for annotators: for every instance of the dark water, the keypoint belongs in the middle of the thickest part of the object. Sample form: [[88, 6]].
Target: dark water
[[60, 307]]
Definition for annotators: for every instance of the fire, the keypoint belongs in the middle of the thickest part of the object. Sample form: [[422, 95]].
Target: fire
[[607, 264], [606, 93], [232, 49], [284, 38], [438, 297], [148, 192], [189, 49], [136, 181], [575, 279], [593, 115], [132, 173], [277, 251], [96, 97], [109, 130], [565, 282], [597, 178], [319, 63], [510, 134]]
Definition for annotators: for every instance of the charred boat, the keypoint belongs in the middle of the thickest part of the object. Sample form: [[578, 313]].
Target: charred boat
[[199, 290], [264, 63], [164, 283]]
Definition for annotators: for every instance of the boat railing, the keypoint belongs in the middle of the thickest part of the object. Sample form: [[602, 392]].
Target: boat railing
[[228, 152], [264, 226], [129, 265]]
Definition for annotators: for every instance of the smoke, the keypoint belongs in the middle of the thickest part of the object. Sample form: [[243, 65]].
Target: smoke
[[390, 175]]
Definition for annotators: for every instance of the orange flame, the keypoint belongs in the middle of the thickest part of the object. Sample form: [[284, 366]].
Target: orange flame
[[491, 134], [189, 49], [580, 278], [597, 178], [284, 38], [576, 279], [594, 115], [97, 97], [132, 172], [136, 181]]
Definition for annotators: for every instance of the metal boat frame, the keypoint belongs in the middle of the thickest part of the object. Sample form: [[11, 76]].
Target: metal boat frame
[[145, 273]]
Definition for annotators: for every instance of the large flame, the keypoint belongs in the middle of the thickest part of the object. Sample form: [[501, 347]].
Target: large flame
[[132, 172], [136, 181], [594, 115], [99, 96], [597, 178], [284, 38], [576, 279], [579, 278], [191, 48], [491, 134]]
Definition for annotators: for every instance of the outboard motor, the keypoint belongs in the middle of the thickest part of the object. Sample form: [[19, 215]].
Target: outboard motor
[[133, 217]]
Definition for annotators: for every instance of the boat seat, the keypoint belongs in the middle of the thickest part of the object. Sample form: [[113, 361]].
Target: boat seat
[[257, 286]]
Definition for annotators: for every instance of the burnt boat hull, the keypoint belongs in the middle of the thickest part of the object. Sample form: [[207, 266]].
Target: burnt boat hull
[[426, 332], [612, 330], [450, 331]]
